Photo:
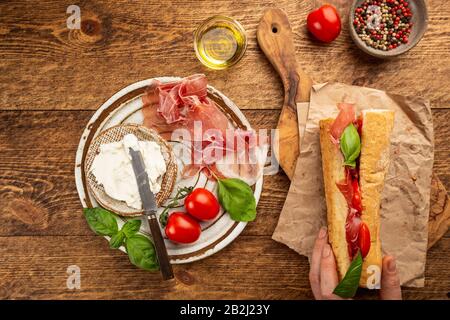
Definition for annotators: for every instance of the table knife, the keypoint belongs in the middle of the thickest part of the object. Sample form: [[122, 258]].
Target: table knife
[[149, 205]]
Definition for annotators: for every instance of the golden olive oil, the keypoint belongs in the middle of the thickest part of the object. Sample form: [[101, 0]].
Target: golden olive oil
[[221, 43]]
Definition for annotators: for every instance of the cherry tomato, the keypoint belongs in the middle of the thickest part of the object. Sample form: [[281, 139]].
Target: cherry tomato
[[182, 228], [364, 239], [356, 199], [202, 204], [324, 23]]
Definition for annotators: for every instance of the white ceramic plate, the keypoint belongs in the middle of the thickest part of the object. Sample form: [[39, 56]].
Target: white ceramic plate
[[126, 107]]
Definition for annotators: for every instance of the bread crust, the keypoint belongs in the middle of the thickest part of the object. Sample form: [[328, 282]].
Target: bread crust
[[374, 162], [337, 209]]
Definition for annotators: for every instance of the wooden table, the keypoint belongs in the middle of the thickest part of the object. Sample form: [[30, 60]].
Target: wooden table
[[52, 79]]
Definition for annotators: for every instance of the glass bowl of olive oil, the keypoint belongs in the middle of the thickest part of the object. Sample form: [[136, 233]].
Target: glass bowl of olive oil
[[220, 42]]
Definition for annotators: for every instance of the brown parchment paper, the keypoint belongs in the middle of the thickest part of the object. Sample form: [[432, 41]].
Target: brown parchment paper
[[406, 196]]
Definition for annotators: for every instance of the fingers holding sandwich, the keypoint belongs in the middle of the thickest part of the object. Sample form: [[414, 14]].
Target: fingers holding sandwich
[[314, 272], [324, 278], [390, 281], [323, 275]]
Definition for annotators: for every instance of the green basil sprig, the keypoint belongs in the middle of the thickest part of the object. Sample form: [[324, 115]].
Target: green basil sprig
[[237, 198], [349, 284], [140, 249], [130, 228], [350, 145], [117, 240]]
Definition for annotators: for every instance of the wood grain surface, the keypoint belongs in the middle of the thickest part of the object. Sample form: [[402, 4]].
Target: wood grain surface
[[51, 81]]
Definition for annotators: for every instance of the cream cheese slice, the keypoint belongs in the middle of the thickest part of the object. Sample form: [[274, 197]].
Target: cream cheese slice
[[113, 170]]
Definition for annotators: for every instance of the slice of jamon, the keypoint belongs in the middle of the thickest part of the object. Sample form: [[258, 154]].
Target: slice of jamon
[[352, 226], [177, 99], [346, 116], [210, 171], [179, 104], [244, 158], [170, 107], [249, 172], [353, 220], [154, 121], [346, 188], [249, 157]]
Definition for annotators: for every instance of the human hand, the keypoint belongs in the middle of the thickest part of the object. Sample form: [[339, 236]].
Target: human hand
[[323, 275]]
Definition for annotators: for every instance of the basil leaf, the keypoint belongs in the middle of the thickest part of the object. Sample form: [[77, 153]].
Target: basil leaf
[[349, 284], [141, 252], [101, 221], [117, 240], [350, 145], [131, 227], [237, 198]]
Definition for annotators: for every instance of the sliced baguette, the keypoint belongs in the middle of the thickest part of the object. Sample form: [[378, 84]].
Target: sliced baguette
[[374, 161]]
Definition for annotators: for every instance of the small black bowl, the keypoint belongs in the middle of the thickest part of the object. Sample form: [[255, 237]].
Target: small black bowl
[[419, 20]]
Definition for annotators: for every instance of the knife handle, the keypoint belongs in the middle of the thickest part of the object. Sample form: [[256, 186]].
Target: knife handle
[[160, 247]]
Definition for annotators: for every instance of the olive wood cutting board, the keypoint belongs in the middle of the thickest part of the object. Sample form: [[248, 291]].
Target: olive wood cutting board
[[276, 40]]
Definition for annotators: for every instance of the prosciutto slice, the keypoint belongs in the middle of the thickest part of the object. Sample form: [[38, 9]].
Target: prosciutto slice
[[345, 186], [352, 226], [184, 104], [248, 159], [179, 104], [346, 116], [243, 157], [177, 99], [353, 220]]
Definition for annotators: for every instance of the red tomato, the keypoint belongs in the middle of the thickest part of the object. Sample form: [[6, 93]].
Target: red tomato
[[324, 23], [359, 121], [202, 204], [356, 199], [182, 228], [364, 239]]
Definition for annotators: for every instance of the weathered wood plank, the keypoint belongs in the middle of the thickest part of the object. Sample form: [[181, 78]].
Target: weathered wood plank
[[37, 187], [35, 268], [44, 65], [41, 263]]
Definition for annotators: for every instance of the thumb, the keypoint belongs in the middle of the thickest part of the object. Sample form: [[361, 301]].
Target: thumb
[[390, 282]]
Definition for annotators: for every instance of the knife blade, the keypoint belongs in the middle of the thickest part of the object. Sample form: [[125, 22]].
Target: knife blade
[[149, 206]]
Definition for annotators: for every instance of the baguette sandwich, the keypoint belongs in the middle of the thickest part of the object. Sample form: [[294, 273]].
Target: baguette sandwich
[[355, 159]]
